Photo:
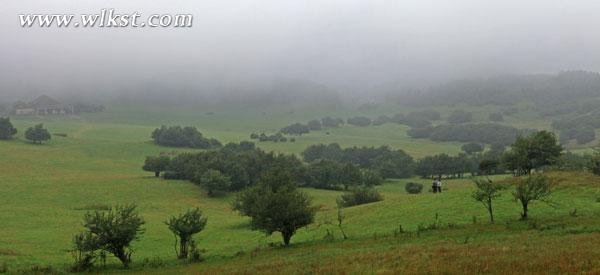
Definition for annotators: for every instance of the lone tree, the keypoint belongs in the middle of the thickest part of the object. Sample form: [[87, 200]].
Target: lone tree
[[37, 134], [486, 192], [184, 227], [275, 205], [532, 152], [7, 131], [111, 231], [535, 187], [156, 164], [213, 181]]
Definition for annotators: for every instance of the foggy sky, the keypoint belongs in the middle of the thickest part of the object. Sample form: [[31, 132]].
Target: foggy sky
[[349, 45]]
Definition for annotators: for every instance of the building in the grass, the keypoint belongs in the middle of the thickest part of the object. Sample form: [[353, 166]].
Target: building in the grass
[[43, 105]]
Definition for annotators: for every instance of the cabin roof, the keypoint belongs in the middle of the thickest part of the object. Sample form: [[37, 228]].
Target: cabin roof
[[44, 101]]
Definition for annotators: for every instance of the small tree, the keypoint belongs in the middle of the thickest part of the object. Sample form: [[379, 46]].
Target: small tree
[[340, 219], [156, 164], [112, 231], [7, 131], [184, 227], [486, 192], [213, 181], [37, 134], [532, 188], [276, 206]]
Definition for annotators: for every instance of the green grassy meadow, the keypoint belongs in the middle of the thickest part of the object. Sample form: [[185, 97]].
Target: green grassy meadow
[[46, 189]]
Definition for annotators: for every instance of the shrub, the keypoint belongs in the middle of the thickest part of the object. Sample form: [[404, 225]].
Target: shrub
[[184, 227], [37, 134], [7, 131], [156, 164], [295, 129], [176, 136], [413, 188], [213, 181], [277, 137], [275, 205], [110, 231], [358, 196], [331, 122]]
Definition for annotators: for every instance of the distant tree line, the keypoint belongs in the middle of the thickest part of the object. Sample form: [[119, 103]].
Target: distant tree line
[[277, 137], [581, 128], [299, 129], [489, 133], [177, 136], [237, 166], [385, 161]]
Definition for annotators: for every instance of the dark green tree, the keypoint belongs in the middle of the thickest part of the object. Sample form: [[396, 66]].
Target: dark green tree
[[371, 178], [213, 181], [156, 164], [7, 131], [184, 227], [488, 166], [276, 206], [37, 134], [532, 152], [349, 176], [112, 231], [359, 195], [295, 129]]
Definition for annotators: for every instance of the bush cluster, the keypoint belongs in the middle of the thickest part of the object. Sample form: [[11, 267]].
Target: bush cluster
[[489, 133], [387, 162], [358, 196], [177, 136], [413, 188]]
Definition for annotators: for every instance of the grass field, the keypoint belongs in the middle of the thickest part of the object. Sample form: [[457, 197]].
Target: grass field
[[46, 190]]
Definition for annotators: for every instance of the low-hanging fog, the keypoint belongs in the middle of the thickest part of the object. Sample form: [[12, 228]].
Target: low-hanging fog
[[240, 46]]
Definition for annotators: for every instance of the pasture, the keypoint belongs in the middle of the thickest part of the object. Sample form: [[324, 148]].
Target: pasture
[[47, 188]]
